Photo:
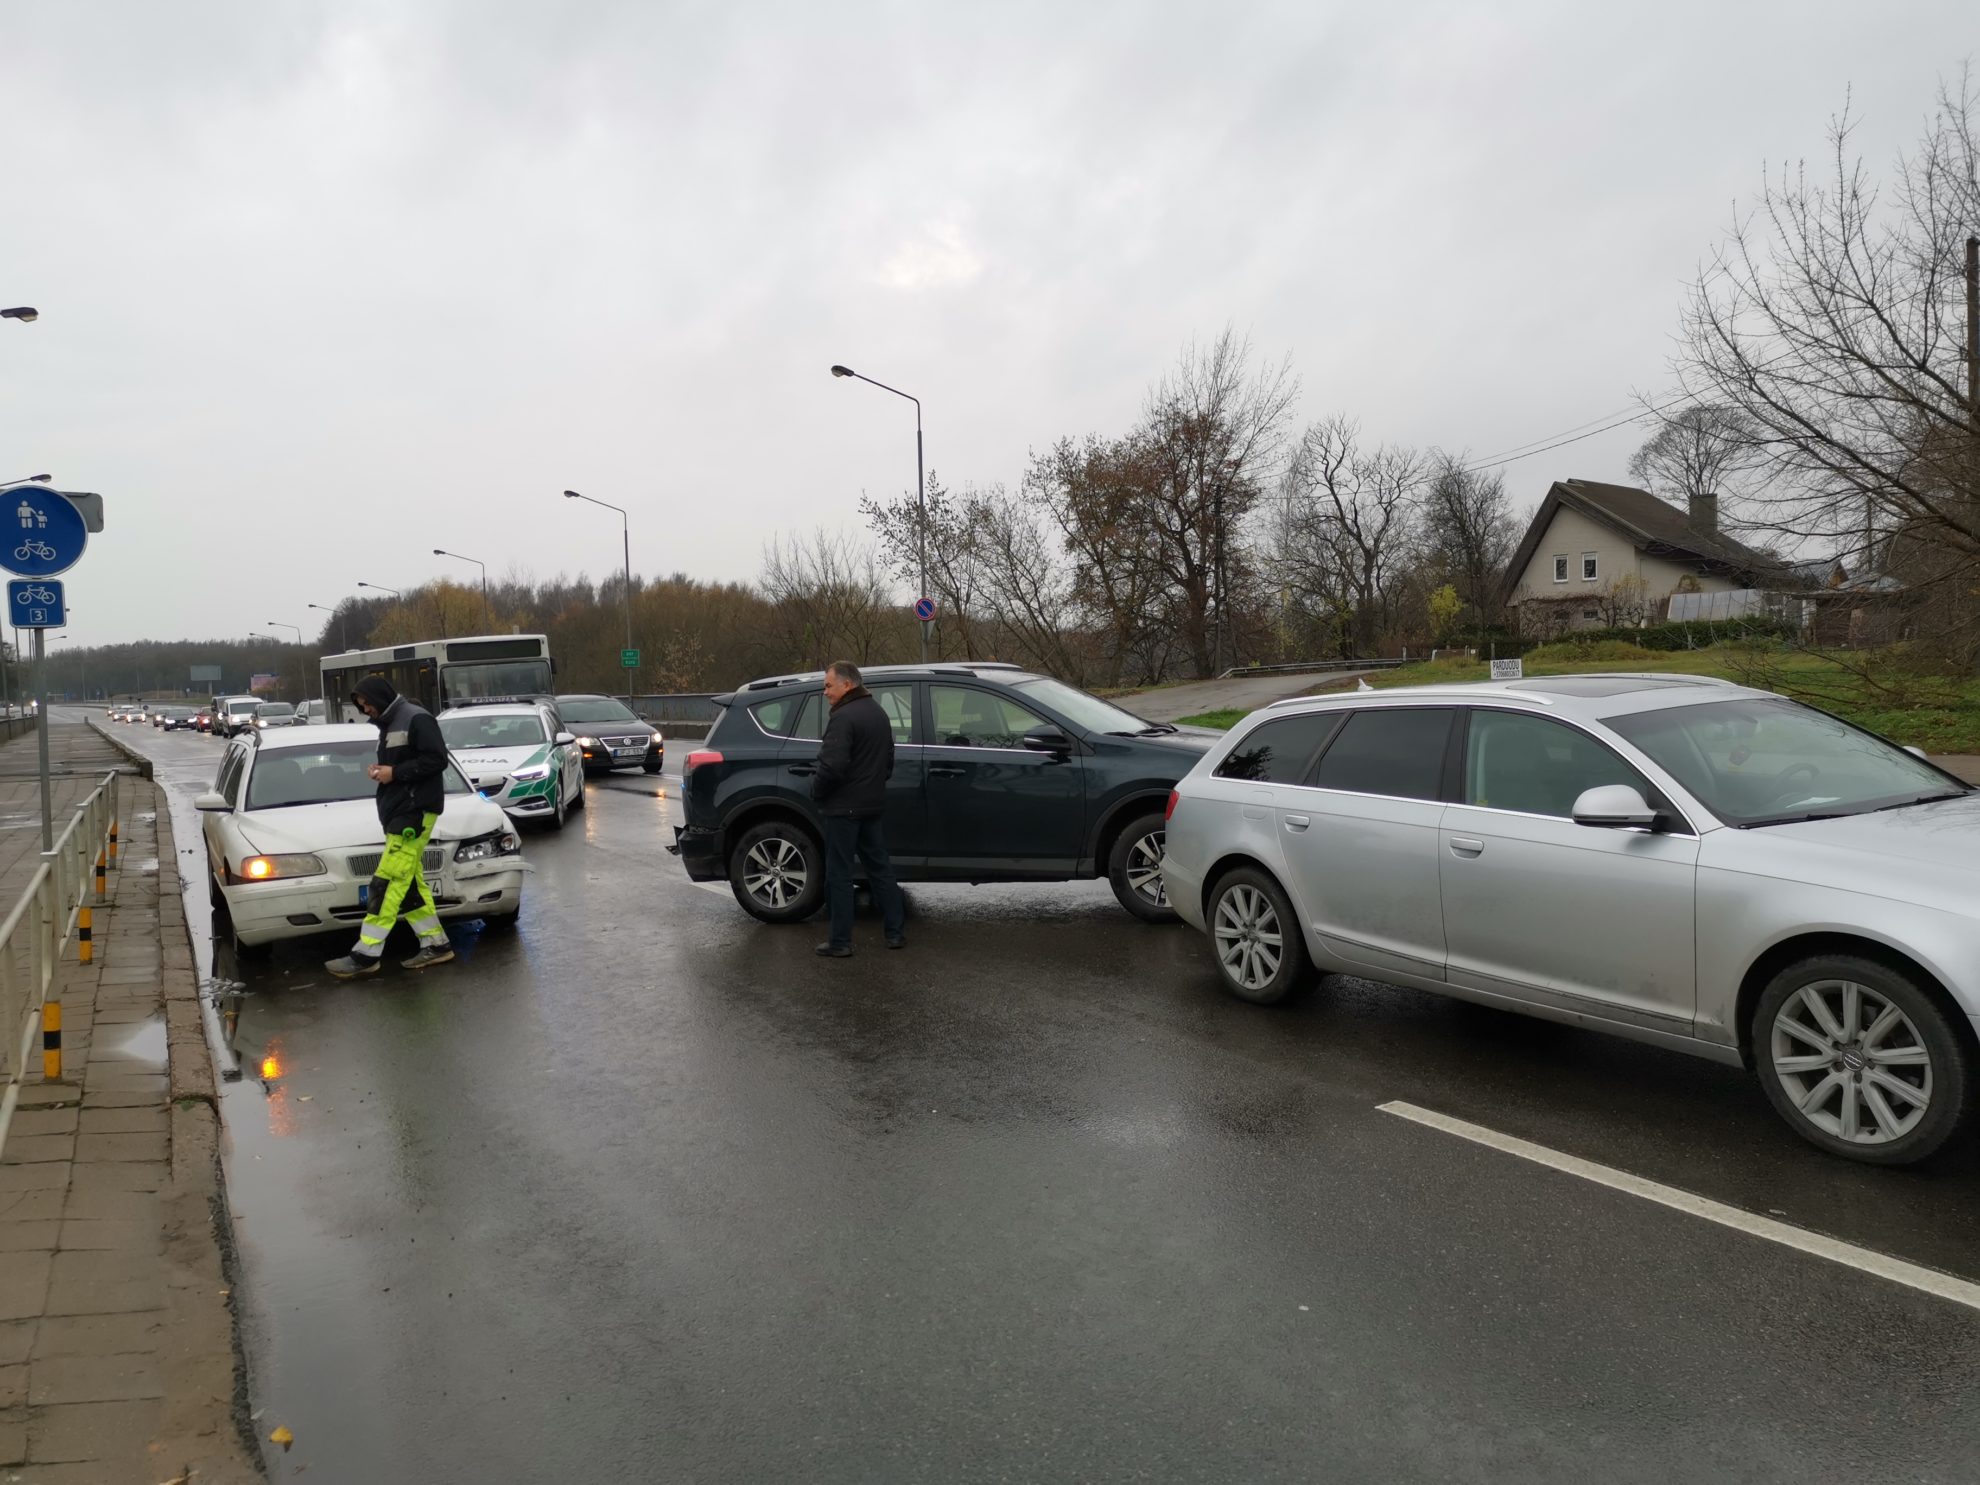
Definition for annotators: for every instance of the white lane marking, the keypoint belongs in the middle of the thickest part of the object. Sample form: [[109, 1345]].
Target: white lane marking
[[1912, 1275]]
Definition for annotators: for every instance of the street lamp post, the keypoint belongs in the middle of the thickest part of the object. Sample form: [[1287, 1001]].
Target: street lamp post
[[632, 671], [338, 615], [27, 479], [920, 496], [278, 624], [487, 614]]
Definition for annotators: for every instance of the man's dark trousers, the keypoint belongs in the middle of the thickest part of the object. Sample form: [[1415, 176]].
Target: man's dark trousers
[[846, 837]]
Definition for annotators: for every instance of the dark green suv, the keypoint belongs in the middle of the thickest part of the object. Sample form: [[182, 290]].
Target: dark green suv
[[1000, 775]]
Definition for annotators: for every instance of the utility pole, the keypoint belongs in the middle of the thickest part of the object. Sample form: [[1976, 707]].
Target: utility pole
[[1973, 333]]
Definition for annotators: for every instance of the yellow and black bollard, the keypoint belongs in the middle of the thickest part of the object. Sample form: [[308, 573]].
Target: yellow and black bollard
[[85, 950], [51, 1040], [113, 845], [102, 887]]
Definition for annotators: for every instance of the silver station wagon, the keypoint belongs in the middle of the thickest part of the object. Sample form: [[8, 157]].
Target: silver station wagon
[[1671, 858]]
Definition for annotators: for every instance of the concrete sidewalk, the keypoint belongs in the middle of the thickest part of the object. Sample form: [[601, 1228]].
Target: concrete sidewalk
[[117, 1345]]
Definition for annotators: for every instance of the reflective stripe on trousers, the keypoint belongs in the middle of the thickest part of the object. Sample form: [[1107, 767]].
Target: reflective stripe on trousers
[[398, 873]]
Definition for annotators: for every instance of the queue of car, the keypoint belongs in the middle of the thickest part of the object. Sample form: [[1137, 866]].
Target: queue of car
[[1669, 858]]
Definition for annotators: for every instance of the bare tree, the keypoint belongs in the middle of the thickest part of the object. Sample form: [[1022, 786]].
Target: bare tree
[[829, 599], [1470, 531], [955, 571], [1356, 508], [1830, 324], [1693, 457]]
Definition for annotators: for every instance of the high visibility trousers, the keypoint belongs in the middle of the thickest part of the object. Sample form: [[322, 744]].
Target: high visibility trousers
[[399, 873]]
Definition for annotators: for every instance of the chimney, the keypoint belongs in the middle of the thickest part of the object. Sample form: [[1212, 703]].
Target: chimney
[[1705, 514]]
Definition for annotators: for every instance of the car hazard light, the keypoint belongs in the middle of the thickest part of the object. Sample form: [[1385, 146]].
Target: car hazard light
[[699, 757], [1173, 797]]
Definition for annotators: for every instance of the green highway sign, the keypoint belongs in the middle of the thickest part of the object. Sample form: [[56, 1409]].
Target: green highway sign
[[629, 659]]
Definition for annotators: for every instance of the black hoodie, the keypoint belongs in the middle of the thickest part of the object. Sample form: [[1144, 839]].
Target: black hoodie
[[409, 741]]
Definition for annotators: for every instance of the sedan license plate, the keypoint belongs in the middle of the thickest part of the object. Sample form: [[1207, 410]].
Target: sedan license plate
[[628, 752]]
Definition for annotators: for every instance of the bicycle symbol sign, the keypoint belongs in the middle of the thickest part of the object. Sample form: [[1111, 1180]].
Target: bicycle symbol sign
[[32, 604], [47, 533]]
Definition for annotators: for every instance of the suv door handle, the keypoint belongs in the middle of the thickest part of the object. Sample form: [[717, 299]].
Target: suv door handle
[[1298, 822], [1462, 847], [947, 770], [802, 770]]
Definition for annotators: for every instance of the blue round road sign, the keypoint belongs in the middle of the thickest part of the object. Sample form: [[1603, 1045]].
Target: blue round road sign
[[924, 609], [41, 533]]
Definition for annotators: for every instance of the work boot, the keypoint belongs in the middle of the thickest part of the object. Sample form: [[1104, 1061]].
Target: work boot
[[835, 951], [351, 966], [429, 955]]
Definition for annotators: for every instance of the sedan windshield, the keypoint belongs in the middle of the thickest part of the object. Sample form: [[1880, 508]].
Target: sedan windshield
[[1770, 761], [600, 710], [275, 709], [327, 774], [1084, 711], [480, 730]]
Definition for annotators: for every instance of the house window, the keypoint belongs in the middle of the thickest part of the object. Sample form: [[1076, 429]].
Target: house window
[[1591, 614], [1588, 567], [1560, 568]]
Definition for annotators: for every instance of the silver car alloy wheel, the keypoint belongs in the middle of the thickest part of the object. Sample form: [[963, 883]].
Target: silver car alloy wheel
[[774, 872], [1249, 941], [1144, 869], [1852, 1062]]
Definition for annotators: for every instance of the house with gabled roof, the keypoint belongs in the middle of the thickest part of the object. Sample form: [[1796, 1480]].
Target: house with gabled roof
[[1597, 556]]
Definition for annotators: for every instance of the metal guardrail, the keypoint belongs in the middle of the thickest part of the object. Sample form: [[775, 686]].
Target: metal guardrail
[[1302, 667], [681, 707], [34, 934]]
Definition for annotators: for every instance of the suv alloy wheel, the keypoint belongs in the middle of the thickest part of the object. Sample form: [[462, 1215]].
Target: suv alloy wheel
[[1860, 1060], [1134, 869], [777, 871]]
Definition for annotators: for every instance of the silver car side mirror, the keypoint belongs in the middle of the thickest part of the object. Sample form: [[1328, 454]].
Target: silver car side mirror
[[1919, 753], [211, 801], [565, 739], [1614, 807]]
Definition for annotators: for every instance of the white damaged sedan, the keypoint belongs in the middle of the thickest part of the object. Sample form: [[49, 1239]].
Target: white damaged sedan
[[292, 838]]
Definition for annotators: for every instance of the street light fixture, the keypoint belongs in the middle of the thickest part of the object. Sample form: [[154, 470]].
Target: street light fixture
[[338, 615], [920, 494], [381, 588], [27, 479], [22, 312], [487, 614], [632, 671]]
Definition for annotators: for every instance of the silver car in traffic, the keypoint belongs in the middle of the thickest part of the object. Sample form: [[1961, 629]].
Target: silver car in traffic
[[1670, 858]]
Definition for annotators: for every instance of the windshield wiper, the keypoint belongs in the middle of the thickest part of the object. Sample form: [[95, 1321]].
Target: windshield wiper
[[1922, 799], [1800, 819], [1157, 727]]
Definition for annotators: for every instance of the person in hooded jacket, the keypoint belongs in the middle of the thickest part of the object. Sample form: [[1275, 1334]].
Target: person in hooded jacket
[[412, 790], [855, 760]]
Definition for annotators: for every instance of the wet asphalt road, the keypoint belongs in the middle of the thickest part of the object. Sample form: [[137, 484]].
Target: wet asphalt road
[[646, 1191]]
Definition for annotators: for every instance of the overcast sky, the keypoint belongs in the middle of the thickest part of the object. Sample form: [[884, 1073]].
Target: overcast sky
[[324, 287]]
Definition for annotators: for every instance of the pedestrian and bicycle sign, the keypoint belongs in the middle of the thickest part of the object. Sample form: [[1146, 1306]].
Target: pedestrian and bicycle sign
[[42, 533], [35, 604], [629, 659], [924, 609]]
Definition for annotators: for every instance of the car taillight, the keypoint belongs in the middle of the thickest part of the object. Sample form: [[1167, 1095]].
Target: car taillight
[[1173, 797], [699, 757]]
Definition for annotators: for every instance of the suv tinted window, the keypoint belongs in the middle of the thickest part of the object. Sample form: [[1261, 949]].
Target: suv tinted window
[[775, 717], [1278, 752], [1537, 766], [897, 701], [1398, 751], [968, 718]]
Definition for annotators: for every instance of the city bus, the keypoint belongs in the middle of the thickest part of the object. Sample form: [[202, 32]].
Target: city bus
[[439, 673]]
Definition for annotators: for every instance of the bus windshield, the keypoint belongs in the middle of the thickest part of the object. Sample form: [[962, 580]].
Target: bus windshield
[[460, 683]]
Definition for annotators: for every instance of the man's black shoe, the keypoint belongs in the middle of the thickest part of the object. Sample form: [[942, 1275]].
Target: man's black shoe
[[897, 943], [835, 951]]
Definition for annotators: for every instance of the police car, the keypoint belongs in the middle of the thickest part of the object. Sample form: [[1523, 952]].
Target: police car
[[518, 754]]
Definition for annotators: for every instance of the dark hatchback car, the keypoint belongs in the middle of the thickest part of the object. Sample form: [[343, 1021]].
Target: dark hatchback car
[[610, 736], [1000, 775]]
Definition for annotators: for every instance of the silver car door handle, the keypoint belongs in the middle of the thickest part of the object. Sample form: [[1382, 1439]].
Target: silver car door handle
[[1297, 822], [1462, 847]]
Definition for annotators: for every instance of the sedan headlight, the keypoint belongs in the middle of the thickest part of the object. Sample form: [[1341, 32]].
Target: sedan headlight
[[530, 775], [276, 868], [488, 847], [587, 742]]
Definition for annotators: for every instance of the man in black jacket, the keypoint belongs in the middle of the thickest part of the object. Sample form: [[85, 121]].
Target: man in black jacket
[[412, 790], [855, 760]]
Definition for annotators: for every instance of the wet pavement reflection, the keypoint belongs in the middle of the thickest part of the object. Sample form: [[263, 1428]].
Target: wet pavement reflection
[[645, 1190]]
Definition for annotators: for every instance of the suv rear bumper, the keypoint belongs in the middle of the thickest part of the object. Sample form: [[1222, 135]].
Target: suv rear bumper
[[700, 850]]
